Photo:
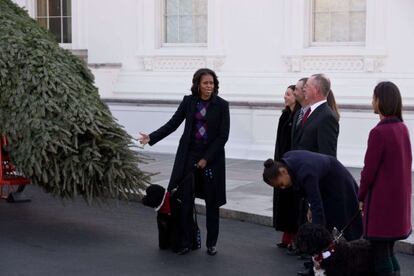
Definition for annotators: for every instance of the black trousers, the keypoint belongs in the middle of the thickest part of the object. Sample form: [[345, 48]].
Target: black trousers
[[200, 186]]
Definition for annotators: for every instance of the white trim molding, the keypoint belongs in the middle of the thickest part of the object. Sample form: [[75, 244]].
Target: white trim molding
[[181, 62], [334, 63]]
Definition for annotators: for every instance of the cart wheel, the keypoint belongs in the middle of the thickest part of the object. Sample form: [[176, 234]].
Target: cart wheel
[[18, 195], [20, 188]]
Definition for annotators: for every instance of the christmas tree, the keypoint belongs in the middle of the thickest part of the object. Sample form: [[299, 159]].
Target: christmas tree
[[61, 135]]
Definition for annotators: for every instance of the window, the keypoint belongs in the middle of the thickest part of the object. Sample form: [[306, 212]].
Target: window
[[338, 21], [185, 21], [56, 16]]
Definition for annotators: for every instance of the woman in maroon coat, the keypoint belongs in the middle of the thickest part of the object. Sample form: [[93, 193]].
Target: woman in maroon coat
[[385, 190]]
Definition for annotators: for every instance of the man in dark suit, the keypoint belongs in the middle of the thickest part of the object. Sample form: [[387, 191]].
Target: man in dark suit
[[318, 130], [317, 127]]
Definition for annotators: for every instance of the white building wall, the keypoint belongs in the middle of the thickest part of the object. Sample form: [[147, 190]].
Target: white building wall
[[258, 48]]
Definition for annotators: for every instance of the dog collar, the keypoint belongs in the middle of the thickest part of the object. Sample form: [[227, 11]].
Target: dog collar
[[325, 254], [162, 202]]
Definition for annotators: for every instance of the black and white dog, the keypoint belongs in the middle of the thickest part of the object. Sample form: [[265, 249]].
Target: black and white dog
[[158, 198], [335, 257], [167, 206]]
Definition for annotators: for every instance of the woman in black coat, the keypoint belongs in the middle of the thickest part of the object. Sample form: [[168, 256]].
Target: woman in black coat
[[327, 185], [207, 125], [285, 211]]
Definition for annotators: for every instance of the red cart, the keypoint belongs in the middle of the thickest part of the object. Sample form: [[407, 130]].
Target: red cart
[[12, 183]]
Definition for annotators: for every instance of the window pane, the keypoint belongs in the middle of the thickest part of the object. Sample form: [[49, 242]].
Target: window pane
[[200, 7], [54, 8], [55, 28], [339, 20], [67, 30], [67, 7], [339, 5], [172, 7], [322, 27], [171, 29], [321, 5], [339, 27], [357, 26], [185, 21], [200, 30], [186, 29], [358, 5], [42, 22], [41, 7], [186, 7]]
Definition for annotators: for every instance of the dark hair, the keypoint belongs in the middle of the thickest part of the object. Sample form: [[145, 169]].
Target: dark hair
[[332, 104], [304, 80], [197, 78], [323, 82], [271, 170], [389, 99], [292, 87], [297, 104]]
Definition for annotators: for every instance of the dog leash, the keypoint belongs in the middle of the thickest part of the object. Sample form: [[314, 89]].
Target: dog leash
[[327, 252], [341, 233], [190, 174]]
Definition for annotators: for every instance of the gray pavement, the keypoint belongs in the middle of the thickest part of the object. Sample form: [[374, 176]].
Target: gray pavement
[[248, 197], [45, 237], [50, 237]]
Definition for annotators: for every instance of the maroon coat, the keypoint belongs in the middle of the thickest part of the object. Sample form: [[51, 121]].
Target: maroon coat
[[386, 182]]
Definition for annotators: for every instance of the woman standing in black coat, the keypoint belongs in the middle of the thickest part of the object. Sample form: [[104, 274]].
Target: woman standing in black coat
[[284, 202], [207, 125]]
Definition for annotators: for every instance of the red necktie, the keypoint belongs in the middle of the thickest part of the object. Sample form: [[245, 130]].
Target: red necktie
[[305, 117]]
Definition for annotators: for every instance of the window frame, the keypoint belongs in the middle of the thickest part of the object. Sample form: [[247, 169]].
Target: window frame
[[163, 31], [310, 33], [61, 17], [300, 56]]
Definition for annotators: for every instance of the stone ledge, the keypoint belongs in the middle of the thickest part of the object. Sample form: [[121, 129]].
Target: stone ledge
[[80, 53], [105, 65], [234, 104]]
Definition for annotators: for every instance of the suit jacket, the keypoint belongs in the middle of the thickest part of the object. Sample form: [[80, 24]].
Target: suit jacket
[[386, 181], [320, 132], [218, 121], [328, 187]]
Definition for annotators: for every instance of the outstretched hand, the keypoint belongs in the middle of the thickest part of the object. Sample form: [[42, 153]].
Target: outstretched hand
[[144, 139], [202, 163]]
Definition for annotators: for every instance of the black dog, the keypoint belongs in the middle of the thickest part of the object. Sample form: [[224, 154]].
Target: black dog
[[167, 206], [157, 198], [339, 258]]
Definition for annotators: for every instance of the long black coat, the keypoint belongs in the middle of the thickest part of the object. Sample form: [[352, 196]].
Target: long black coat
[[285, 202], [320, 132], [218, 121], [329, 188]]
